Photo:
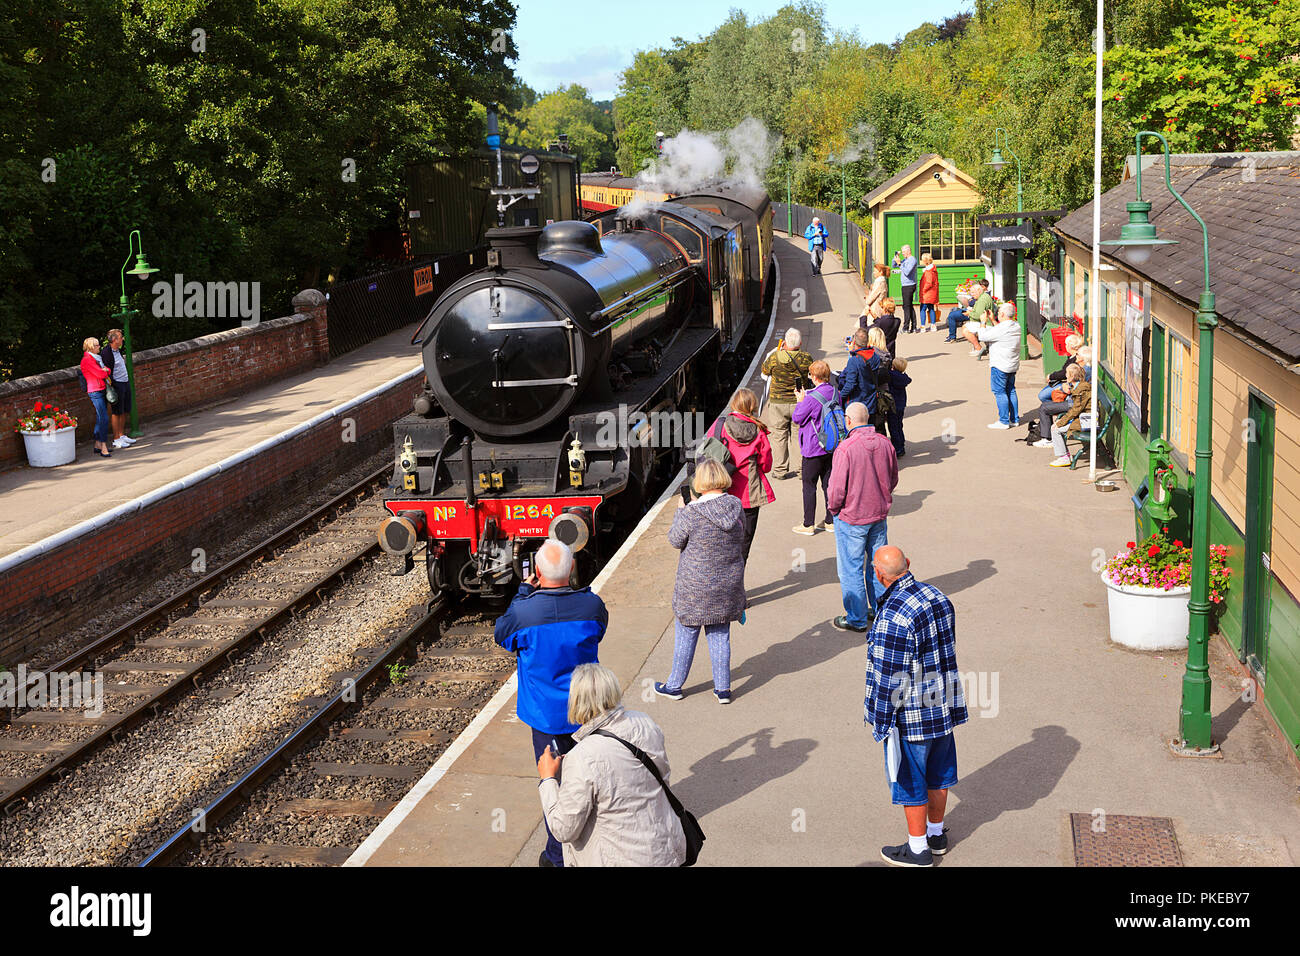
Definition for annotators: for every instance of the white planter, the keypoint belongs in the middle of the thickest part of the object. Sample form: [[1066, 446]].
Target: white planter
[[47, 449], [1147, 619]]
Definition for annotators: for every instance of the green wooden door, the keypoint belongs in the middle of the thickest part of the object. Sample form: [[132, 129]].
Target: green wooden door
[[900, 230], [1257, 579]]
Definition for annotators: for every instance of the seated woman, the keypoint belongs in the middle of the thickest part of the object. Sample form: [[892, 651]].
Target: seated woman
[[1072, 345], [1071, 422], [1057, 403]]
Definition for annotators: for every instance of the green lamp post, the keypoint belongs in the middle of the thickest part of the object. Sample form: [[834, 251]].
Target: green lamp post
[[997, 162], [844, 215], [142, 269], [1137, 238], [789, 212]]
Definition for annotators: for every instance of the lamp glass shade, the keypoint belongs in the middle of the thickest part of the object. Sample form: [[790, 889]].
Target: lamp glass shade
[[997, 162], [142, 267]]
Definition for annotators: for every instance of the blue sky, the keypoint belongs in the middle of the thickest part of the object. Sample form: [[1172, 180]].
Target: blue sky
[[590, 42]]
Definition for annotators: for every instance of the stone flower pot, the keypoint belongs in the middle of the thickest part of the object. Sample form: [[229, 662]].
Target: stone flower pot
[[45, 449], [1147, 619]]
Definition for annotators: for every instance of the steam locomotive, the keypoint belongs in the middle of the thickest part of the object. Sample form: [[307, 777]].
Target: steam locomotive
[[561, 381]]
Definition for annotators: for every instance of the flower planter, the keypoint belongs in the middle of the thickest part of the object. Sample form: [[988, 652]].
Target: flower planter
[[46, 449], [1147, 619]]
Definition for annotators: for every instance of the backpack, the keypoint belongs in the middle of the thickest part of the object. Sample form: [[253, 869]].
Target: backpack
[[885, 403], [713, 446], [832, 428]]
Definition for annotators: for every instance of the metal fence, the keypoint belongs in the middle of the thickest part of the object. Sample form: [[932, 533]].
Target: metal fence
[[362, 310], [859, 252]]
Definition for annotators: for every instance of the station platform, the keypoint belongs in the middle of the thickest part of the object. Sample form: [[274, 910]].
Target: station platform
[[1063, 721], [41, 502]]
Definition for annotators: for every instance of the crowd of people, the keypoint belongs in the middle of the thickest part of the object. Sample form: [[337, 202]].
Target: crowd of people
[[104, 374], [604, 769]]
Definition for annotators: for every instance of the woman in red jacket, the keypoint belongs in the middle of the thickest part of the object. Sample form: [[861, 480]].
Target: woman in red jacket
[[96, 376], [746, 439], [929, 293]]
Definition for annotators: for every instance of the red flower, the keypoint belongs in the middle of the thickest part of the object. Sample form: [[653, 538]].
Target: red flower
[[1177, 543], [38, 406], [1153, 550], [1131, 545], [1164, 529]]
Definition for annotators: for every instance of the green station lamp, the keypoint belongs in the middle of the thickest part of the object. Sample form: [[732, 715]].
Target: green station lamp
[[1136, 240], [997, 162], [141, 270]]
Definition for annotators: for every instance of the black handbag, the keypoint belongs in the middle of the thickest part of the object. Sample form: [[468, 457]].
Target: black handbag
[[690, 826]]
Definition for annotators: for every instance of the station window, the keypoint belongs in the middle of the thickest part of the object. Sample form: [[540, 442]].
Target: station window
[[948, 236], [1180, 399]]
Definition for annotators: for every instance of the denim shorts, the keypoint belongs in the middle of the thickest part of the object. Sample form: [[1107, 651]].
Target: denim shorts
[[925, 765]]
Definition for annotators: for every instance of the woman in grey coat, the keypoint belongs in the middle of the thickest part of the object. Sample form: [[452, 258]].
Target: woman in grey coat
[[710, 587]]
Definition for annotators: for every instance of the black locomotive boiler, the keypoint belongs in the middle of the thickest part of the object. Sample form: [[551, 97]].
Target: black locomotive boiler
[[562, 379]]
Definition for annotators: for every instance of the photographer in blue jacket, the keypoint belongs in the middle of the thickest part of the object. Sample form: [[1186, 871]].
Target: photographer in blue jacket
[[552, 628], [816, 235]]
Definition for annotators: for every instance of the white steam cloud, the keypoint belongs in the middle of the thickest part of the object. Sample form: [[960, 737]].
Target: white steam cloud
[[691, 159]]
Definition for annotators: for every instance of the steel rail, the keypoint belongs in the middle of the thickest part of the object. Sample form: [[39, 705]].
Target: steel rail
[[346, 698], [222, 651]]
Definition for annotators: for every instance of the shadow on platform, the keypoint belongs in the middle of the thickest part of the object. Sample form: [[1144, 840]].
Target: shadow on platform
[[1014, 781], [718, 779]]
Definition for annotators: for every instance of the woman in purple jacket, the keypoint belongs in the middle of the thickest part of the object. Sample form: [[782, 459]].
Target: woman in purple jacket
[[816, 459]]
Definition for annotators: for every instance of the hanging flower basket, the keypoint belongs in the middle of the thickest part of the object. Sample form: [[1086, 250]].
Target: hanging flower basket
[[1148, 587], [50, 435]]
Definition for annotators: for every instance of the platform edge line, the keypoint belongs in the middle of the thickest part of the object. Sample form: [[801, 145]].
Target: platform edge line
[[399, 813]]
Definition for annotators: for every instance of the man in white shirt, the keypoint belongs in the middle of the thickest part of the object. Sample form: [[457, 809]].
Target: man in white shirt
[[112, 352], [1003, 340]]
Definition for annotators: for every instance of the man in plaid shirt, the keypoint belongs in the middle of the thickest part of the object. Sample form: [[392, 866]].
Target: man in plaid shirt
[[914, 700]]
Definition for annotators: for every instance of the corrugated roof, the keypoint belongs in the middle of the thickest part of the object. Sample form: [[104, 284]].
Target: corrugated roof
[[1251, 205]]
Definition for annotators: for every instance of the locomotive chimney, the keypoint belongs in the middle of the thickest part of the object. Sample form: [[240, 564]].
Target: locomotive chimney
[[514, 247]]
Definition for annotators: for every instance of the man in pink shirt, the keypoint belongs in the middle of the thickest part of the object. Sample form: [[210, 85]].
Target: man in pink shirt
[[864, 474]]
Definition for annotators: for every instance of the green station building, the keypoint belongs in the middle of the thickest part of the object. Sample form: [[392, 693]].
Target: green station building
[[1149, 359]]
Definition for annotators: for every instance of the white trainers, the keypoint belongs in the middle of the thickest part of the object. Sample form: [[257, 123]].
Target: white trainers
[[127, 440], [976, 351], [1043, 443], [120, 443], [1000, 426]]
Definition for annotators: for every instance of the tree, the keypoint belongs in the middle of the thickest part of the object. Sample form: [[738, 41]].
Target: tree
[[248, 141], [1229, 82], [570, 110], [654, 96]]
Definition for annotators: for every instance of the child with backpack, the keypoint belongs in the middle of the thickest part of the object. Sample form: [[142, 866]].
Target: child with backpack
[[820, 418], [898, 382]]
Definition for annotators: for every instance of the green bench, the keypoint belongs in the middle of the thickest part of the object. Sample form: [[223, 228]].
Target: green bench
[[1106, 409]]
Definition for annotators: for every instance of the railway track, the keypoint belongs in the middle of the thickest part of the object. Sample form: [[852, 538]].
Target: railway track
[[163, 652], [315, 797]]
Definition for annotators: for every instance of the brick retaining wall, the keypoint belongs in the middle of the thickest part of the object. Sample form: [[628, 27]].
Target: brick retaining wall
[[47, 595], [183, 375]]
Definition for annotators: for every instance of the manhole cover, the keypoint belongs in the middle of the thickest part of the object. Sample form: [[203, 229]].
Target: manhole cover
[[1118, 840]]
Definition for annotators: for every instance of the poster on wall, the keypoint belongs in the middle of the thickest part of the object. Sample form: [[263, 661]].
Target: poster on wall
[[1133, 379]]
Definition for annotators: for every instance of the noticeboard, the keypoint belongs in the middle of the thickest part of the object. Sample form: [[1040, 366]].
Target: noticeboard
[[1137, 332]]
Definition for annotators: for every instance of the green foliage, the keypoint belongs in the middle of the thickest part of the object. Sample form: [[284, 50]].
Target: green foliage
[[228, 149], [1229, 82], [589, 125], [1024, 65]]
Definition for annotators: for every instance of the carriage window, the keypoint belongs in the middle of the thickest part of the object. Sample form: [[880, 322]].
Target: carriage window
[[685, 236]]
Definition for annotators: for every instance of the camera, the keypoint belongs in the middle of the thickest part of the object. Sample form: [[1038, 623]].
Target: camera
[[938, 178]]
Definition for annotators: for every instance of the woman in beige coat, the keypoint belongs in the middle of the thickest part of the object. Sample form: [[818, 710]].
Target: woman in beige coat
[[605, 806], [873, 302]]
